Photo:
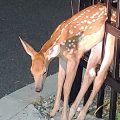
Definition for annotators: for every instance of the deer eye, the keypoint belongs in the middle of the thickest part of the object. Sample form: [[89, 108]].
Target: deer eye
[[44, 73]]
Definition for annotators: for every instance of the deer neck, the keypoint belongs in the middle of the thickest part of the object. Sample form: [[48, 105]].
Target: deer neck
[[50, 50]]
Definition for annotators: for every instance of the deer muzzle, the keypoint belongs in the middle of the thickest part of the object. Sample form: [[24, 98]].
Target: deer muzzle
[[38, 83]]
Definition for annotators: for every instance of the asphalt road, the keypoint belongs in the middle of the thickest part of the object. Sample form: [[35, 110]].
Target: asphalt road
[[34, 21]]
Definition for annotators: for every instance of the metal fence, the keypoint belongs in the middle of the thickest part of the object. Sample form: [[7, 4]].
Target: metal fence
[[113, 77]]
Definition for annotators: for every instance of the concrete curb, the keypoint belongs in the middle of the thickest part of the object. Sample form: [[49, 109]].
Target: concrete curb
[[16, 102]]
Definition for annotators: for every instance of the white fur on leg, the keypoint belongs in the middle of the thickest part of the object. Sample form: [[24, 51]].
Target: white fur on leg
[[92, 72]]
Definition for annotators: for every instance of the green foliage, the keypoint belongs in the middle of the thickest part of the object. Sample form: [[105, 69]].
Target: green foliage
[[118, 116]]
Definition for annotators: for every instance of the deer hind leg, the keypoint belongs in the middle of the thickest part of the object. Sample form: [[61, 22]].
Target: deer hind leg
[[72, 65], [94, 59], [108, 57], [61, 78]]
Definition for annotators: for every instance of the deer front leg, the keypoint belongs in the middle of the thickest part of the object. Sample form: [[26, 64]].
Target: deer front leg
[[72, 66], [108, 57], [89, 76], [61, 78]]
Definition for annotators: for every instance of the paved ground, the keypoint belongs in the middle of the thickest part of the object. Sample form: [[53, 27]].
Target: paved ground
[[34, 21], [18, 105]]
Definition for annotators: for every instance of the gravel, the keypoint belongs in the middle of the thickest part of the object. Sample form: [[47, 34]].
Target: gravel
[[45, 105]]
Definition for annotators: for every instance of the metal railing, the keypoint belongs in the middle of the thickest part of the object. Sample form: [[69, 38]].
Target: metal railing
[[113, 78]]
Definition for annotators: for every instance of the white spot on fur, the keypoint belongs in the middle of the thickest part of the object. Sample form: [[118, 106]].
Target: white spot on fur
[[58, 37], [68, 50], [79, 33], [82, 21], [74, 46], [69, 23], [82, 27], [113, 20], [62, 30], [74, 40], [69, 40], [66, 26], [94, 15], [101, 14], [70, 45], [94, 20], [90, 27], [89, 22], [114, 14], [78, 109], [70, 31], [92, 72], [100, 9], [88, 10], [86, 27], [75, 19], [75, 26]]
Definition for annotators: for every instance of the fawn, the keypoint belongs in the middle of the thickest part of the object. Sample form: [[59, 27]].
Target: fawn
[[72, 38]]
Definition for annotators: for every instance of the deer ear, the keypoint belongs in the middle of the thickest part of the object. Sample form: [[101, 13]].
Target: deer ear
[[30, 51]]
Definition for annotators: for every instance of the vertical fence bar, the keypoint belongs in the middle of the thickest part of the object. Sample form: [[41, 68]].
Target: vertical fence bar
[[100, 101], [113, 100], [112, 112], [75, 6], [117, 49], [87, 94]]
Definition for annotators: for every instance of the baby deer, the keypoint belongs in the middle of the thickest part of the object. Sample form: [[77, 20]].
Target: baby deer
[[69, 42]]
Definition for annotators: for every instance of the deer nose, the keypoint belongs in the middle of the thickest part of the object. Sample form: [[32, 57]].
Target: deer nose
[[37, 89]]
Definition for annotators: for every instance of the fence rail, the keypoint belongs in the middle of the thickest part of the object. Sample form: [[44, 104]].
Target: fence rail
[[113, 78]]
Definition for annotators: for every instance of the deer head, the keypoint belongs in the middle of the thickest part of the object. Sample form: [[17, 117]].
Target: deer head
[[38, 67]]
